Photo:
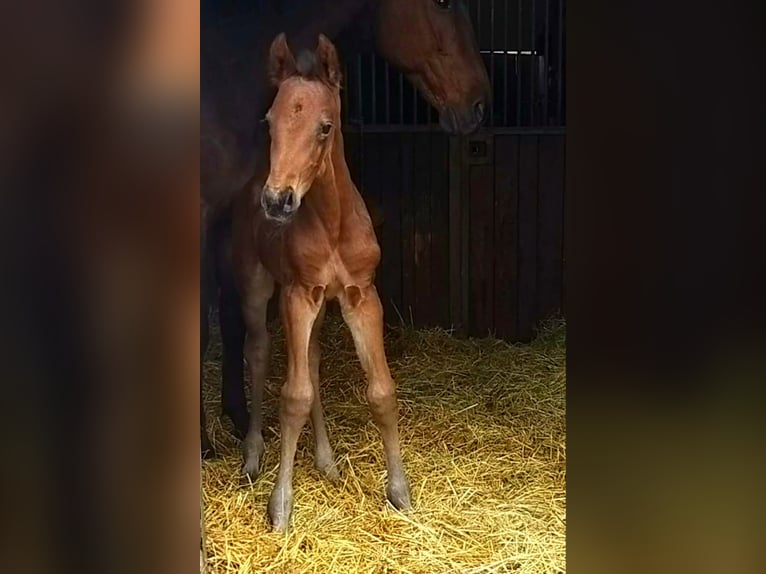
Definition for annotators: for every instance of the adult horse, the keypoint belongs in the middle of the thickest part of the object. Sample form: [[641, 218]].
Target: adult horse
[[431, 41], [307, 228]]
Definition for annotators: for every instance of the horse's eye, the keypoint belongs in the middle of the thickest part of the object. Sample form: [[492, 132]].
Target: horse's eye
[[325, 130], [443, 3]]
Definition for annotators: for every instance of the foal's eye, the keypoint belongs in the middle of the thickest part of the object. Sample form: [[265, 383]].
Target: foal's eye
[[443, 3], [325, 130]]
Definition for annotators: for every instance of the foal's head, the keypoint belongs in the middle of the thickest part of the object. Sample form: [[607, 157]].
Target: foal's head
[[303, 122]]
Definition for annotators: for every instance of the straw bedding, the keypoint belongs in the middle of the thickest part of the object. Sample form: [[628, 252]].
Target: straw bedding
[[482, 429]]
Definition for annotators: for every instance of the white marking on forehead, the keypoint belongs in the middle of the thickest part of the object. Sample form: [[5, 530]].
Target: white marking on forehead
[[298, 95]]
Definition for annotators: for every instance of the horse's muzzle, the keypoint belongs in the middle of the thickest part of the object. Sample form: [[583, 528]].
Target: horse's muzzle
[[463, 122], [279, 205]]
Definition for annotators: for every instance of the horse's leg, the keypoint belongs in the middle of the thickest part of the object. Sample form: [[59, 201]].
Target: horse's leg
[[300, 308], [233, 400], [257, 346], [324, 459], [206, 445], [363, 314]]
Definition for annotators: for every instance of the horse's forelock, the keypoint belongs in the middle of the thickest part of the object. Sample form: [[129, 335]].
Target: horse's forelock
[[307, 66]]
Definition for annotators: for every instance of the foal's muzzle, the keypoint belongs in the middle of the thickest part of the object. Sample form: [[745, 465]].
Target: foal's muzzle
[[279, 204]]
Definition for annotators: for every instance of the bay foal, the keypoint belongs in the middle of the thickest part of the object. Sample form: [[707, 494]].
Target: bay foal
[[307, 228]]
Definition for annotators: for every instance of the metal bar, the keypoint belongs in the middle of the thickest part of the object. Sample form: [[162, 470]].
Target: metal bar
[[478, 22], [546, 114], [345, 111], [401, 98], [518, 66], [492, 58], [559, 63], [373, 70], [388, 93], [532, 74], [434, 128], [511, 52], [506, 28], [359, 98], [414, 106]]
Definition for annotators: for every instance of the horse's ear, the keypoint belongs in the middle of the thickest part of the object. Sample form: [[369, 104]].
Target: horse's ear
[[328, 61], [281, 60]]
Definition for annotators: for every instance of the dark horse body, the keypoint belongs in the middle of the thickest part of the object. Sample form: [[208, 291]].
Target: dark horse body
[[431, 42]]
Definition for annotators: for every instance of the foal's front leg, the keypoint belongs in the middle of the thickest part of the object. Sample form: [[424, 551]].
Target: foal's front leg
[[363, 313], [300, 307], [324, 460]]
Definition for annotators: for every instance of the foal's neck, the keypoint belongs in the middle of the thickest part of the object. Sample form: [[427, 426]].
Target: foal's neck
[[332, 189]]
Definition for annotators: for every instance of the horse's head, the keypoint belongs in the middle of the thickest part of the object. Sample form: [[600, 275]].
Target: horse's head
[[432, 42], [303, 121]]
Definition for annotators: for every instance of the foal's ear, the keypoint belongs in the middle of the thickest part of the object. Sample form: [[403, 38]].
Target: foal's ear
[[328, 61], [281, 60]]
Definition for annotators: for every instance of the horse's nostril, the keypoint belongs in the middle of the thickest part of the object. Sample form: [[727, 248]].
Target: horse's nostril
[[448, 121], [478, 110]]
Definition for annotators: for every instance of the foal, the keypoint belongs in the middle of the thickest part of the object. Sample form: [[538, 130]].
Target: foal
[[307, 228]]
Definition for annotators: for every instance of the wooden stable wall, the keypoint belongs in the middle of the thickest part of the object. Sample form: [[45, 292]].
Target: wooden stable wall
[[473, 227]]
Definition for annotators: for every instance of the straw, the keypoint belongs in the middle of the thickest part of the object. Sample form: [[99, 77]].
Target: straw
[[482, 426]]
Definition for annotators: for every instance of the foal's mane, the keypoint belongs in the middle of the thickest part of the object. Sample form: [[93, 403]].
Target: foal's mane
[[308, 67]]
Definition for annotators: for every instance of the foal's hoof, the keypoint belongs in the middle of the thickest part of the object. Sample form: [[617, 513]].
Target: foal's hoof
[[280, 508], [324, 462], [398, 493], [329, 470], [240, 418], [253, 448]]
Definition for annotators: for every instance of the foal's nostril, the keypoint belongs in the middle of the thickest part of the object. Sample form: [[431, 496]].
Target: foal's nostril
[[279, 205], [289, 204], [478, 110]]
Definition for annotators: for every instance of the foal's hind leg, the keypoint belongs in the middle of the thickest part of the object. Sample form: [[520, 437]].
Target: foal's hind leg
[[363, 313], [324, 459], [254, 305]]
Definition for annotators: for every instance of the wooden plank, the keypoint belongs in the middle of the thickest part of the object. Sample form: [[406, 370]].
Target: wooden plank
[[550, 225], [528, 181], [440, 251], [456, 238], [564, 232], [421, 194], [506, 236], [481, 249], [407, 228], [381, 167], [353, 152]]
